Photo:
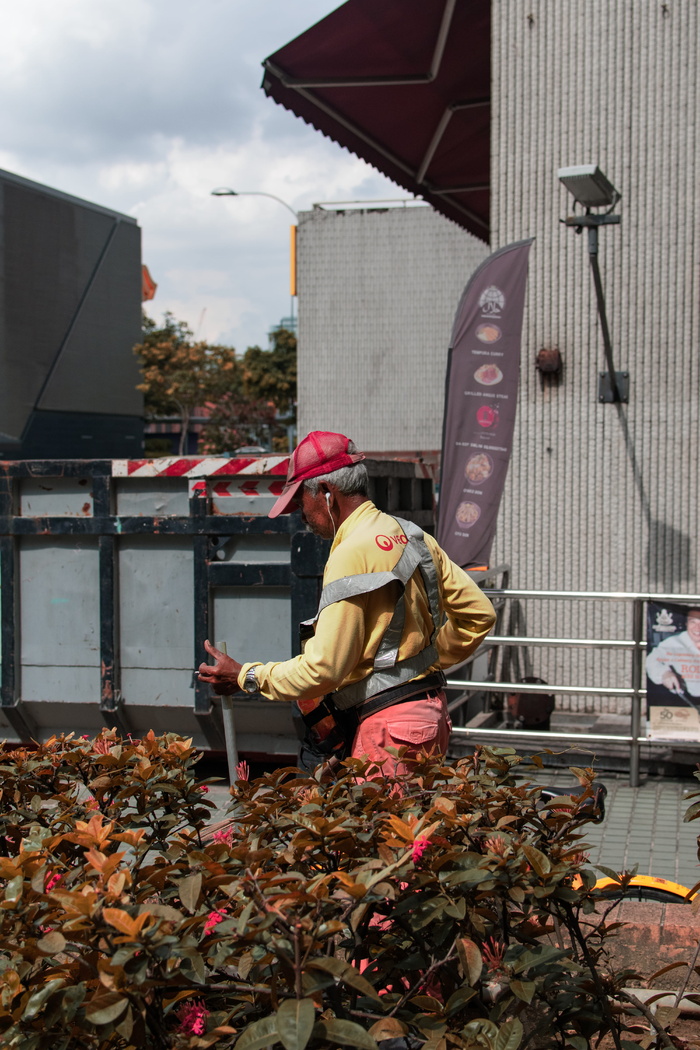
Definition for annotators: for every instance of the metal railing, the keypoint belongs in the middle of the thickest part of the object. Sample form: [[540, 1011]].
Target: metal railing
[[636, 646]]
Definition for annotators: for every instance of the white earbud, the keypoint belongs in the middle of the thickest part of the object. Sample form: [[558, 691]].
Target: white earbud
[[328, 508]]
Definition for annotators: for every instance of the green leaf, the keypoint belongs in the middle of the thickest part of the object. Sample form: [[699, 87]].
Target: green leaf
[[470, 958], [523, 989], [579, 1043], [189, 890], [538, 860], [13, 889], [692, 812], [106, 1008], [259, 1034], [52, 943], [346, 1032], [608, 872], [509, 1035], [295, 1023], [346, 973], [162, 911], [388, 1028], [458, 999], [37, 1000], [427, 1002]]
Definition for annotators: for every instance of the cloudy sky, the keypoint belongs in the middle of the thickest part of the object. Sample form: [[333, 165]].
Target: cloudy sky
[[145, 106]]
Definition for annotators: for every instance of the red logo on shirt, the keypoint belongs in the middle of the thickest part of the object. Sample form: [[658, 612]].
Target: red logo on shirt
[[385, 543]]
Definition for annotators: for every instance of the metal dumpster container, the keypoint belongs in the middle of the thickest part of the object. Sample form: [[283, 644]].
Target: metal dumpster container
[[113, 572]]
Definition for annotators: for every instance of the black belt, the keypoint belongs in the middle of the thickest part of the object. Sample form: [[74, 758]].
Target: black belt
[[411, 691]]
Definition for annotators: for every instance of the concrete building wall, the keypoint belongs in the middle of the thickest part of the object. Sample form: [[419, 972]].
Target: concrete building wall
[[601, 497], [378, 290]]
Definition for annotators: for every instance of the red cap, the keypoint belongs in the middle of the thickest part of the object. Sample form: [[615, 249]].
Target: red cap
[[321, 452]]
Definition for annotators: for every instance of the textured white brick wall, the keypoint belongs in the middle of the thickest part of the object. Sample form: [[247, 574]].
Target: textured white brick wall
[[378, 292], [602, 497]]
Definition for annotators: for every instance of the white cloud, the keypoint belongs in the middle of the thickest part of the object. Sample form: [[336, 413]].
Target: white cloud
[[145, 106]]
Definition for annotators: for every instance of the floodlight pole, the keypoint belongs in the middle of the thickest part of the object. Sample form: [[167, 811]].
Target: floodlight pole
[[612, 385]]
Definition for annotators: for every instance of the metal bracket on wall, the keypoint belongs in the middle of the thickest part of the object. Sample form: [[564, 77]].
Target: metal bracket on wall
[[606, 388]]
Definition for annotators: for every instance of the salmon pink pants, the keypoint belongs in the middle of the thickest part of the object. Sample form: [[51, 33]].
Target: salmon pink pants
[[420, 725]]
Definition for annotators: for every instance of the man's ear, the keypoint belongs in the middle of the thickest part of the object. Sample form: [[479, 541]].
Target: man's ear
[[327, 494]]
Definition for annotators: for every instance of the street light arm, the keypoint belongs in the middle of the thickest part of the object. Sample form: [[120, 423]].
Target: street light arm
[[224, 191]]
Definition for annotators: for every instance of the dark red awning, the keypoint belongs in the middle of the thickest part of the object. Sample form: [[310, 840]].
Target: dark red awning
[[404, 84]]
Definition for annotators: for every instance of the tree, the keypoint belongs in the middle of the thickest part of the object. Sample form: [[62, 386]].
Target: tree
[[263, 403], [248, 400], [272, 373], [180, 375]]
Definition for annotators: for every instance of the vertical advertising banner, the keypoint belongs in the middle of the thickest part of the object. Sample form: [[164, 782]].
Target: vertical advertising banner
[[673, 671], [481, 391]]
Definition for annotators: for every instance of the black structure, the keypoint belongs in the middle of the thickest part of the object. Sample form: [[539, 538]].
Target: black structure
[[393, 485], [70, 313]]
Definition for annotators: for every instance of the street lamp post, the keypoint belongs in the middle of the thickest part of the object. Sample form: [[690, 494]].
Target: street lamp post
[[224, 191], [590, 188]]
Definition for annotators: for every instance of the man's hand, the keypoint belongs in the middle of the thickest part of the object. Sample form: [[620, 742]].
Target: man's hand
[[671, 682], [223, 674]]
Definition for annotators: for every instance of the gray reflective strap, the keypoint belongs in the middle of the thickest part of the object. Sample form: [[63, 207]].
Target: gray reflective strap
[[388, 649], [357, 692], [351, 586], [392, 673]]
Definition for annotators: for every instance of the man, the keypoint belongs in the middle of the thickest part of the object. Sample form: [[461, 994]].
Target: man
[[394, 611], [675, 662]]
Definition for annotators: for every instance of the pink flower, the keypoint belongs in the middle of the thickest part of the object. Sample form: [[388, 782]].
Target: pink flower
[[496, 844], [243, 770], [420, 845], [213, 920], [492, 952], [224, 836], [192, 1016], [204, 789], [52, 881]]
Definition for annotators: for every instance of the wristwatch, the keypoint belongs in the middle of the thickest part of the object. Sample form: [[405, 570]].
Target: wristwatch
[[250, 682]]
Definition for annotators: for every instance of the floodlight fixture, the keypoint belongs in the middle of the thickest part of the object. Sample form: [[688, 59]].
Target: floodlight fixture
[[589, 186], [592, 189]]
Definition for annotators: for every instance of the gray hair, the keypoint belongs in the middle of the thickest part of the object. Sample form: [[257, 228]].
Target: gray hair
[[351, 481]]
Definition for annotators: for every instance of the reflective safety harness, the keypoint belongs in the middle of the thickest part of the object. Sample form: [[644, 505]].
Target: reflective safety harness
[[389, 673]]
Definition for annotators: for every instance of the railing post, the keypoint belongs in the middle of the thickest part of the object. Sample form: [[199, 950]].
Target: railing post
[[635, 729]]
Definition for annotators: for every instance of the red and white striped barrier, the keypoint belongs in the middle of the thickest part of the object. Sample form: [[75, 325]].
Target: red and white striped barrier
[[198, 466]]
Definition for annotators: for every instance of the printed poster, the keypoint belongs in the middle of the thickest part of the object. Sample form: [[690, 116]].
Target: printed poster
[[481, 392], [673, 671]]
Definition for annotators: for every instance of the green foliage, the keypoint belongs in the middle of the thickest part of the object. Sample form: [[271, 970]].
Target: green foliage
[[272, 374], [263, 402], [180, 375], [244, 397], [444, 909]]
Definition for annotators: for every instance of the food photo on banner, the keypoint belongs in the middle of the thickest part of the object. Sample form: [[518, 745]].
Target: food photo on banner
[[481, 391], [673, 671]]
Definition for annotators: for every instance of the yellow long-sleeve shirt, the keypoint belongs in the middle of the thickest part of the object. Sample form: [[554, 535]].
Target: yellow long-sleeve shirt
[[348, 632]]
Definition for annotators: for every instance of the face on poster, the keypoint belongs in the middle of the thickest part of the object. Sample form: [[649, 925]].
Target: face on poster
[[673, 671]]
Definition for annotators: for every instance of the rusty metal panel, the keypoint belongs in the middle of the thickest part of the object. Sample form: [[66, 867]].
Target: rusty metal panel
[[49, 497]]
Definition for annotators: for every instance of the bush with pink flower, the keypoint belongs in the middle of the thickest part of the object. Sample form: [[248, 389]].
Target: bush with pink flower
[[329, 911]]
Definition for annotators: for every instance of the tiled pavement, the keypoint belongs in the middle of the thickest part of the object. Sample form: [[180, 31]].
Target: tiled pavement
[[644, 827]]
